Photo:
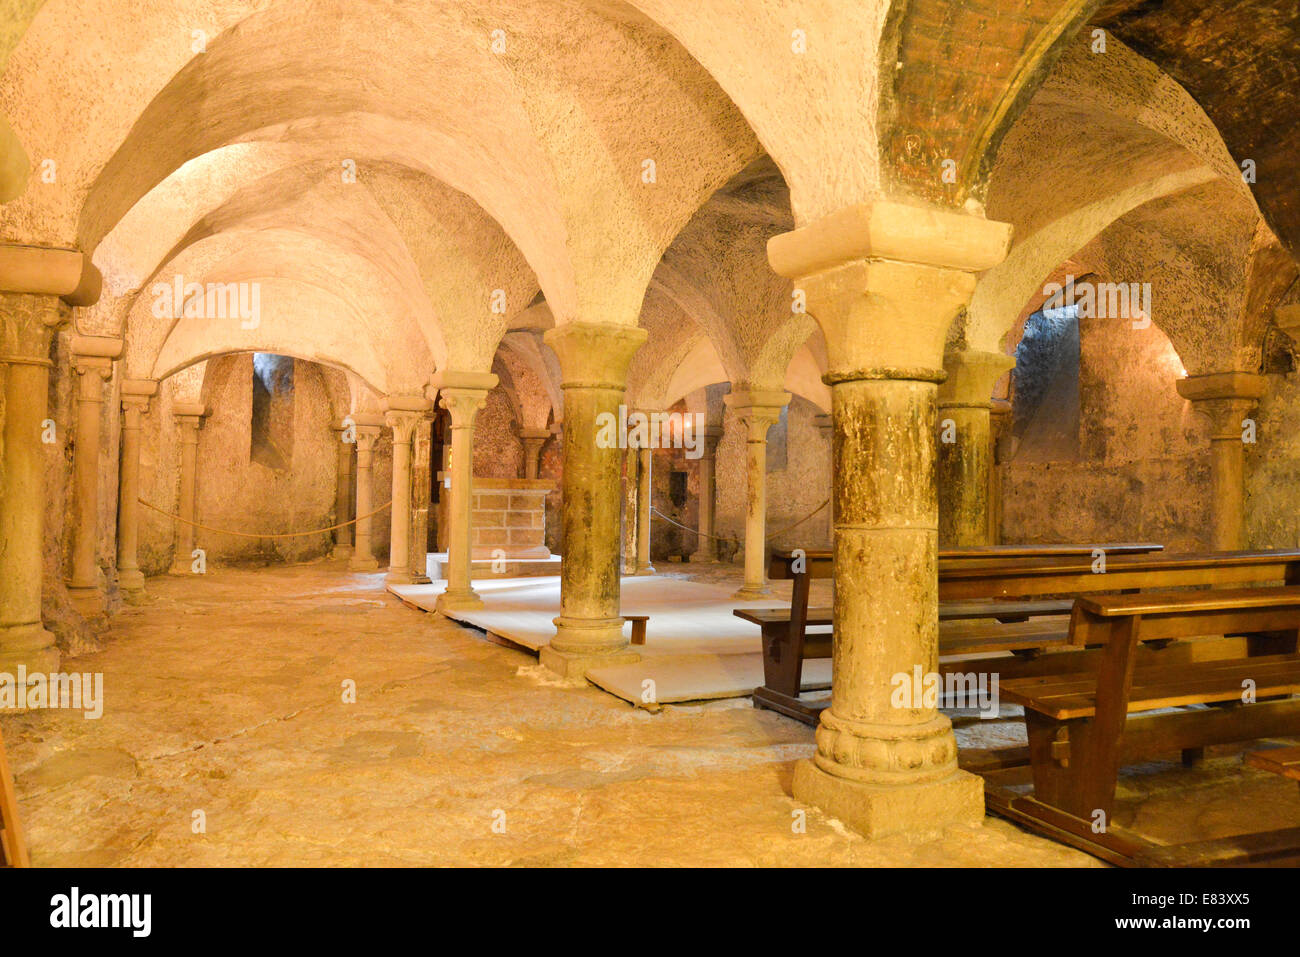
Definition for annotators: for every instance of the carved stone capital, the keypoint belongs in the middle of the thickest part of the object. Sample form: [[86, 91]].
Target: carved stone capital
[[595, 355]]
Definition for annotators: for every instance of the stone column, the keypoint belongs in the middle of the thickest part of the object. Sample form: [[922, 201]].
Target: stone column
[[135, 403], [29, 322], [421, 498], [627, 544], [965, 447], [826, 426], [462, 394], [189, 416], [593, 361], [92, 363], [644, 491], [884, 282], [402, 419], [706, 549], [533, 440], [1226, 399], [999, 424], [363, 557], [343, 493], [758, 411]]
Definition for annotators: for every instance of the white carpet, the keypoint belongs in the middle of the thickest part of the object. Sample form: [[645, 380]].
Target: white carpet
[[695, 649]]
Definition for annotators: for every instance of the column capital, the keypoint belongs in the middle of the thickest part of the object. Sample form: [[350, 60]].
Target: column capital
[[758, 409], [972, 374], [66, 273], [463, 404], [28, 324], [403, 423], [452, 379], [595, 355], [366, 434], [191, 410], [92, 361], [1223, 397], [138, 391], [884, 280], [537, 435]]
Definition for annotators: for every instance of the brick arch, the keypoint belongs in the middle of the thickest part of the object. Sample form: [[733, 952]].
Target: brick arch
[[954, 77]]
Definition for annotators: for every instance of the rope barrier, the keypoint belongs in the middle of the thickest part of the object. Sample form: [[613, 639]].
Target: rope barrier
[[226, 531], [720, 538]]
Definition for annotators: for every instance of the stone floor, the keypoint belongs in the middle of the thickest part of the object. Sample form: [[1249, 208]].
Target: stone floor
[[225, 695]]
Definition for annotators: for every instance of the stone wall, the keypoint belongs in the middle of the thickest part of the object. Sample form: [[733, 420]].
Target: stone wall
[[793, 491], [1127, 461], [232, 491], [1272, 464]]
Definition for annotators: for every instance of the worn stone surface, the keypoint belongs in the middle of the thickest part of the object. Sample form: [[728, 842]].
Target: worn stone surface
[[447, 730]]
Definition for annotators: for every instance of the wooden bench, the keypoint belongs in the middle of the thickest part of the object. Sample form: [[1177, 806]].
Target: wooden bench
[[1024, 629], [1001, 578], [786, 642], [1283, 761], [638, 627], [13, 851], [1083, 727]]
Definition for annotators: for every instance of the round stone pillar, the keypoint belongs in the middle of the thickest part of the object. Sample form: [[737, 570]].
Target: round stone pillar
[[533, 440], [189, 417], [463, 395], [758, 411], [965, 446], [402, 422], [644, 490], [135, 404], [706, 549], [593, 364], [92, 364], [825, 424], [29, 323], [343, 494], [1226, 399], [1000, 438], [884, 281], [367, 431]]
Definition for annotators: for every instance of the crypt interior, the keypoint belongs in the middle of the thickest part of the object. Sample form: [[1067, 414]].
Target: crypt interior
[[316, 317]]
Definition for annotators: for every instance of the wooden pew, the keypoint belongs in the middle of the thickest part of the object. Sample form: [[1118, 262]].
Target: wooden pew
[[978, 584], [990, 578], [1025, 629], [1083, 727], [13, 851], [786, 642], [1283, 761]]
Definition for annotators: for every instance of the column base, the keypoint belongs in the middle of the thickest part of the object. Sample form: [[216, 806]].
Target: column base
[[876, 811], [341, 552], [570, 664], [183, 569], [401, 577], [88, 600], [644, 570], [753, 593], [135, 596], [363, 563], [130, 579], [28, 645], [466, 600]]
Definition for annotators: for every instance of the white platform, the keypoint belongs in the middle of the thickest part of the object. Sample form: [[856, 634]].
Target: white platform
[[695, 649]]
